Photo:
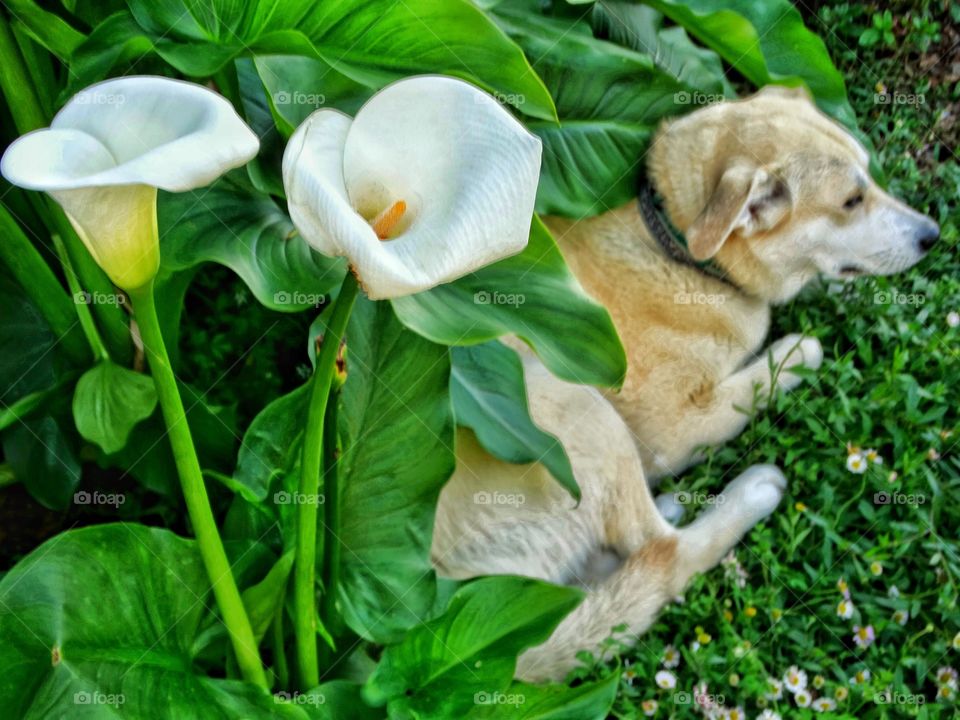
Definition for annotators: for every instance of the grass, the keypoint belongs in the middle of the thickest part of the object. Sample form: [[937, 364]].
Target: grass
[[889, 382]]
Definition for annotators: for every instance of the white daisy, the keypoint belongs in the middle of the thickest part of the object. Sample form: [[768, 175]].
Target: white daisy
[[856, 463], [671, 657], [795, 679], [665, 680], [824, 704], [803, 698], [774, 689]]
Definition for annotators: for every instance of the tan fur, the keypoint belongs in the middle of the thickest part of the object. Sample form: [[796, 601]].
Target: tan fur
[[759, 185]]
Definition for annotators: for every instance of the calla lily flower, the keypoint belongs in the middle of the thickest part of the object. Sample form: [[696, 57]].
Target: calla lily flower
[[433, 179], [109, 149]]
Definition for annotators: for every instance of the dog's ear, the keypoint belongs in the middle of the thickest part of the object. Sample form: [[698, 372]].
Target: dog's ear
[[746, 200]]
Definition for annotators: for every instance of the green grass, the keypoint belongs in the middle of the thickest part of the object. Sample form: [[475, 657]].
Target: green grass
[[888, 382]]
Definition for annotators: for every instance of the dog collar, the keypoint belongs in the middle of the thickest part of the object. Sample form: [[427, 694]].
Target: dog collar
[[671, 240]]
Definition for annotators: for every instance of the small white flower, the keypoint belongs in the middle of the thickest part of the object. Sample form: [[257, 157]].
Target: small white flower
[[876, 569], [431, 180], [734, 714], [665, 680], [900, 617], [860, 677], [956, 641], [947, 677], [671, 657], [775, 689], [803, 698], [953, 319], [864, 636], [873, 456], [795, 679], [856, 463], [769, 715], [823, 704], [845, 609], [649, 707], [894, 592]]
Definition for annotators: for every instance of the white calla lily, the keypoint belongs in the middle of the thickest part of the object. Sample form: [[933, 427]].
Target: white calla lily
[[433, 179], [109, 149]]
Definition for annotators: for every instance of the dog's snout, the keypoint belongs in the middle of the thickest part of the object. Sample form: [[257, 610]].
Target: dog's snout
[[928, 235]]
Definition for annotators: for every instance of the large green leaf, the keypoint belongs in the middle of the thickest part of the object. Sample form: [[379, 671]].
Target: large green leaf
[[489, 397], [109, 401], [229, 223], [641, 28], [442, 668], [608, 97], [396, 427], [373, 42], [768, 43], [533, 295], [103, 622]]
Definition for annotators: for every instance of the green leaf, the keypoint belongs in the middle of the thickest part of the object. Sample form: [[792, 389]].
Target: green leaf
[[533, 295], [271, 444], [587, 701], [262, 600], [396, 429], [109, 401], [42, 458], [489, 397], [336, 700], [768, 43], [442, 667], [609, 99], [104, 622], [48, 29], [642, 29], [229, 223], [371, 42]]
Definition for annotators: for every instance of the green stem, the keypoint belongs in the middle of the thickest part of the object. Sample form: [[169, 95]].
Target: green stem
[[41, 286], [194, 491], [83, 309], [279, 653], [304, 577], [331, 507]]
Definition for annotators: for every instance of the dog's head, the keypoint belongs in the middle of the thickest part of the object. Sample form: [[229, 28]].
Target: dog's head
[[778, 192]]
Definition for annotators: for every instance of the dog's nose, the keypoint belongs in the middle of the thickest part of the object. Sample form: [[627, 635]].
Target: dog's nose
[[928, 236]]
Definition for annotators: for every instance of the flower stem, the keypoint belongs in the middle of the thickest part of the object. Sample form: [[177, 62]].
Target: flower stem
[[83, 310], [304, 576], [194, 491], [331, 505]]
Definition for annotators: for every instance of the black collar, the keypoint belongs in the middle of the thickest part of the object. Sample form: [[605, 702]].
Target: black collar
[[670, 240]]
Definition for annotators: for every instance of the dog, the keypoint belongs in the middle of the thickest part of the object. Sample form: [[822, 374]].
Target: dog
[[774, 193]]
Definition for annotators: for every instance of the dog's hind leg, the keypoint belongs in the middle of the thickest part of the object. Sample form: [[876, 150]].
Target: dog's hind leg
[[653, 573]]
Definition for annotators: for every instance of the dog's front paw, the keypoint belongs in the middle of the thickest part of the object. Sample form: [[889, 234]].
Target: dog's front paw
[[756, 492], [793, 351]]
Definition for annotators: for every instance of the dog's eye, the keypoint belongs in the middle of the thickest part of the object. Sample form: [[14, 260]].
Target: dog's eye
[[853, 202]]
